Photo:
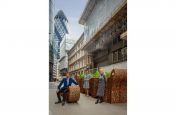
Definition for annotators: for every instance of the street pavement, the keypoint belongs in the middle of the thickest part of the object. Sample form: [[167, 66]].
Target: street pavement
[[85, 106]]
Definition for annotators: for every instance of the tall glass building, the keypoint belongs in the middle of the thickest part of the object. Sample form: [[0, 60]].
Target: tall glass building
[[51, 37], [60, 31]]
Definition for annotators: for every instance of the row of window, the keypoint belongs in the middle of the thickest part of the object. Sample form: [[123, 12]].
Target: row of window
[[120, 55], [77, 65], [78, 47], [78, 55], [80, 64]]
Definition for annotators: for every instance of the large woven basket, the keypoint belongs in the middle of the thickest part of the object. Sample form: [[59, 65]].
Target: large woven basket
[[116, 87], [74, 94]]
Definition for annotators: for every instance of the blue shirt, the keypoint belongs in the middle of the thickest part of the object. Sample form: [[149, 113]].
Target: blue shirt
[[68, 81]]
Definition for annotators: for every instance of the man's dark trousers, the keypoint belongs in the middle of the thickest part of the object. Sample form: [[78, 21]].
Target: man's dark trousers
[[64, 91]]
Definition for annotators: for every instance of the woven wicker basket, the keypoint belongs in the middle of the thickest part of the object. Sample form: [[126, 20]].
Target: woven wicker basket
[[116, 88], [74, 94]]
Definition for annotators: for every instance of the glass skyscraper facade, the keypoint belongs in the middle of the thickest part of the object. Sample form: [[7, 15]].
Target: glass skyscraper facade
[[60, 29]]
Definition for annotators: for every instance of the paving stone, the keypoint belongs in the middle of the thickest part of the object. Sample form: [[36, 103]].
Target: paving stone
[[85, 106]]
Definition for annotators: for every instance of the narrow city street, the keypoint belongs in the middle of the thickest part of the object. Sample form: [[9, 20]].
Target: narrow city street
[[85, 106]]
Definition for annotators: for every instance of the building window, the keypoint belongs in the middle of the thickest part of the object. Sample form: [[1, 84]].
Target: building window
[[120, 55], [115, 56]]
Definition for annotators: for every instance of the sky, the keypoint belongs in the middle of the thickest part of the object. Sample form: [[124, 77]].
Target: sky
[[73, 10]]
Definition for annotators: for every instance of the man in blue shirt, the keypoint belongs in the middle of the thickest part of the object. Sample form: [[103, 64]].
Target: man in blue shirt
[[66, 82]]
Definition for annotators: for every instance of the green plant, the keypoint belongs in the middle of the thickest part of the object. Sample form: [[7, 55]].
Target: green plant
[[108, 74], [81, 76], [96, 74]]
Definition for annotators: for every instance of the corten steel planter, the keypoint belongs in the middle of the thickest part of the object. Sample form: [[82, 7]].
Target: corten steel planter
[[76, 78], [89, 88], [81, 85], [93, 87]]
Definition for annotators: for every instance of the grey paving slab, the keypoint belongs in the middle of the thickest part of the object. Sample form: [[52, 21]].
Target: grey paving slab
[[85, 106]]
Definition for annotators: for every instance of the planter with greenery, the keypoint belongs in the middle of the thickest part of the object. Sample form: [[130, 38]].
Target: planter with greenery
[[81, 76], [94, 83]]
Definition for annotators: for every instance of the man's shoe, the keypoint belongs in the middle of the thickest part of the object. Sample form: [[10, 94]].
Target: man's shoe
[[63, 103], [57, 102], [97, 101]]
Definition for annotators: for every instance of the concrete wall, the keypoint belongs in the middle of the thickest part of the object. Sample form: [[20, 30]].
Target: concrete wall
[[121, 65]]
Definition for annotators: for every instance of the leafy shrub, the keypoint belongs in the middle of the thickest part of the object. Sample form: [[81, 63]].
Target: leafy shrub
[[81, 76], [96, 74], [108, 74]]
